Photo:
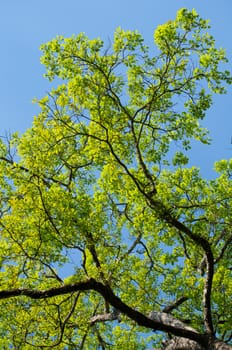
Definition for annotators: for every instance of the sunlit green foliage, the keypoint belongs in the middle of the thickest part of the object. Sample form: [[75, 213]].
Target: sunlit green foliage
[[95, 186]]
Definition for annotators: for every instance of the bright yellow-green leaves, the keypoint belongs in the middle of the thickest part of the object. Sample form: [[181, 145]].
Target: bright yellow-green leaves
[[126, 40], [165, 34], [89, 192]]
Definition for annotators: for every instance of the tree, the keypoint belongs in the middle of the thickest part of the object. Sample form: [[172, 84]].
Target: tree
[[99, 190]]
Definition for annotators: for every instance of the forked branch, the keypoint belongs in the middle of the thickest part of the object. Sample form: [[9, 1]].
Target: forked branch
[[114, 301]]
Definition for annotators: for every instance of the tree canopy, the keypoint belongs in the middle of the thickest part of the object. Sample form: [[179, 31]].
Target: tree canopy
[[109, 240]]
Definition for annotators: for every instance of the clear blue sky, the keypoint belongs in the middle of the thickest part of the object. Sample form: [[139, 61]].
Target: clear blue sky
[[26, 24]]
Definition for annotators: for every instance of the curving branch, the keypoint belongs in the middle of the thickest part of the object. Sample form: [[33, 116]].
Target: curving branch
[[113, 300], [225, 246], [166, 215], [163, 316], [45, 179], [168, 319]]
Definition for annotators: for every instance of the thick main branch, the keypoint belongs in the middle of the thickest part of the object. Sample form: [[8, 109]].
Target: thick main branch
[[116, 302]]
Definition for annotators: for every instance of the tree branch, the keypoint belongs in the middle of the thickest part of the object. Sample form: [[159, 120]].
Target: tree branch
[[227, 243], [166, 215], [28, 171], [116, 302], [112, 316], [168, 319], [175, 304]]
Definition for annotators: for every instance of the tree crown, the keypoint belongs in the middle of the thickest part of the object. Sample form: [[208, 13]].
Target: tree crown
[[99, 184]]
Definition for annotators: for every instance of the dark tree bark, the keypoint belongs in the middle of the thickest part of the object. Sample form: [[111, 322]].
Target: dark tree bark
[[185, 337], [187, 344]]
